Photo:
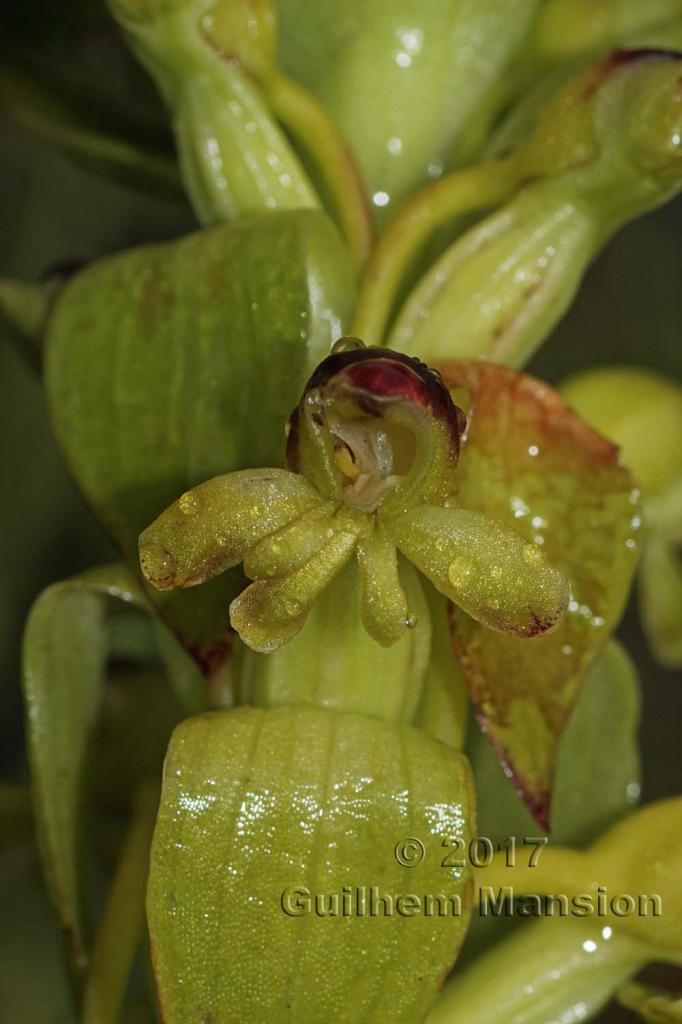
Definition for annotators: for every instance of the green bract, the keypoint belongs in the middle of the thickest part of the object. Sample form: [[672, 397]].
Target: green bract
[[530, 462], [210, 339], [278, 832], [372, 453]]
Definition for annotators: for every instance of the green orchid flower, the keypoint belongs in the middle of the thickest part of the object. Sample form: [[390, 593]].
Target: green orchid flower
[[371, 461], [503, 514]]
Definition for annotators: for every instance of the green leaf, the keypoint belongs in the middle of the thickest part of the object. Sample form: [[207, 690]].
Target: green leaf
[[260, 807], [174, 363], [531, 463], [598, 770], [64, 661], [597, 777]]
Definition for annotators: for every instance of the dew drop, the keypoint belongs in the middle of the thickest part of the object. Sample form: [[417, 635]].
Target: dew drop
[[188, 504], [292, 606], [410, 620], [460, 570], [348, 344]]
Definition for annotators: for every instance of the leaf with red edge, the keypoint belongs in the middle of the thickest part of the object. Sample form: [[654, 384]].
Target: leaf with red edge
[[529, 461]]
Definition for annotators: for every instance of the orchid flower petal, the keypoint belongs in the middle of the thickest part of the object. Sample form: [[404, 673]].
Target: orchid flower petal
[[209, 528], [500, 580]]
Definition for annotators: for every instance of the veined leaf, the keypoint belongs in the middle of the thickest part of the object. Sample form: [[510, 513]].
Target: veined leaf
[[264, 810], [64, 661], [531, 463], [174, 363], [598, 771]]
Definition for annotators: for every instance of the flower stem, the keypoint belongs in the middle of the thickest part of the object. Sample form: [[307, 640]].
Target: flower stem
[[309, 122], [122, 924], [464, 191]]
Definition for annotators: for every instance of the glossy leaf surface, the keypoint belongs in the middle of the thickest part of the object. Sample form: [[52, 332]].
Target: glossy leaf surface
[[260, 808], [529, 462], [173, 363]]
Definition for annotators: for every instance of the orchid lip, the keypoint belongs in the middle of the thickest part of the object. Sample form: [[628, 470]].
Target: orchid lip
[[373, 417]]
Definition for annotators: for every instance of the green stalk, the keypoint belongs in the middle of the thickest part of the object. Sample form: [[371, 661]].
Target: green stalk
[[459, 193], [309, 122], [547, 971]]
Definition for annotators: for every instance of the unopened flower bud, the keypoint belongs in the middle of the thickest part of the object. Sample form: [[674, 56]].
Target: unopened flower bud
[[202, 54], [603, 150]]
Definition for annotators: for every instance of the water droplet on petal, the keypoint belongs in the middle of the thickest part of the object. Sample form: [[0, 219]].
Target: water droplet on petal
[[348, 344], [188, 504], [460, 571], [292, 606], [411, 620]]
